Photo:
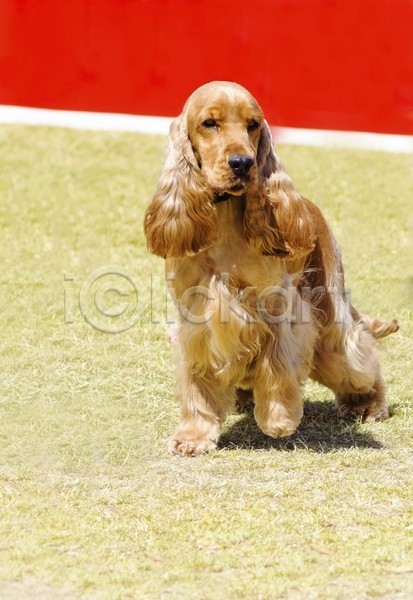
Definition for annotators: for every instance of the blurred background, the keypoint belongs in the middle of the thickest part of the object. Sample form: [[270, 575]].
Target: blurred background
[[323, 64]]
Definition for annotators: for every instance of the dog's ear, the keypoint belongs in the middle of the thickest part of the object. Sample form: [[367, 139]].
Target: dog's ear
[[181, 217], [277, 221], [266, 159]]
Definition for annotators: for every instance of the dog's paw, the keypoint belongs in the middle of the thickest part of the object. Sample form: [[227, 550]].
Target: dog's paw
[[369, 407], [367, 414], [187, 443], [280, 420], [277, 430], [276, 425]]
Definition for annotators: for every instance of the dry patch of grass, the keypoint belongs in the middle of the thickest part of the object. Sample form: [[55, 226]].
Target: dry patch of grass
[[92, 506]]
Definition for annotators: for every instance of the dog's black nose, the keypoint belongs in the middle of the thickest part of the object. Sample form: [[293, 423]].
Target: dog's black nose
[[240, 164]]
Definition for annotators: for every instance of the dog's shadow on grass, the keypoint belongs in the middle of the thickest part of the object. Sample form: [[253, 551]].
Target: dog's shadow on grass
[[321, 430]]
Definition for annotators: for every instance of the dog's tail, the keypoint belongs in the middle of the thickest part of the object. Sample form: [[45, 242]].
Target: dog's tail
[[377, 328]]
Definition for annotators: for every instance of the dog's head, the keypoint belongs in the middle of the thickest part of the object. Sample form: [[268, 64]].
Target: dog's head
[[228, 137], [219, 147]]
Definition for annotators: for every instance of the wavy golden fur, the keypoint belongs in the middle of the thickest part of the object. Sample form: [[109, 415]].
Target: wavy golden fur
[[257, 278]]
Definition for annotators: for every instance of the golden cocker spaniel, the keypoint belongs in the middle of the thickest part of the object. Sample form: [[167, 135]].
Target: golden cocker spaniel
[[257, 278]]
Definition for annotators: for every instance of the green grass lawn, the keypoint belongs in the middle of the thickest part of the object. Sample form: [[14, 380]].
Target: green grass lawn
[[92, 505]]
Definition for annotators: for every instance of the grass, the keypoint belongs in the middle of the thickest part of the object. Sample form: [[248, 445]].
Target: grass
[[92, 505]]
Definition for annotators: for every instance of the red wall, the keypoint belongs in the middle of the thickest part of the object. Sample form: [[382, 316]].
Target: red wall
[[334, 64]]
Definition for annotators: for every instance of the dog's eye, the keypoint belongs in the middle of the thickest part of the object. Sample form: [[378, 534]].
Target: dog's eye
[[209, 123], [253, 125]]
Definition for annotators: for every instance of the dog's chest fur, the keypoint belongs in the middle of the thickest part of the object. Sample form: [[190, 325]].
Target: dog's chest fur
[[230, 300]]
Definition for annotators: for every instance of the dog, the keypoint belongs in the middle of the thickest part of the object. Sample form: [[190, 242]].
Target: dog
[[257, 278]]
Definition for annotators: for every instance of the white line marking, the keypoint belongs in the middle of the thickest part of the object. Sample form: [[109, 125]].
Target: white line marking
[[160, 125]]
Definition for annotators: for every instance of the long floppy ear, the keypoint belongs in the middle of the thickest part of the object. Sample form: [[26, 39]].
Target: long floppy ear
[[181, 217], [266, 158], [277, 221]]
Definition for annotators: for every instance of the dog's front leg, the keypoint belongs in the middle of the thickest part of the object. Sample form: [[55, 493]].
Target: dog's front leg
[[279, 409], [204, 406]]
